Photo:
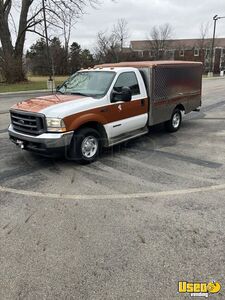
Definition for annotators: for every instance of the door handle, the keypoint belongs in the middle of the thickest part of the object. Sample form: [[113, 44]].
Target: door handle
[[117, 125], [104, 110]]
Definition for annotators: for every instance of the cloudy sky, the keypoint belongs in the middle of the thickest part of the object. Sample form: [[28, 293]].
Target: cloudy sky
[[185, 16]]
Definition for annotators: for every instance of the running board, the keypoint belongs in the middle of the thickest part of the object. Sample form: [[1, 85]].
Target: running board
[[127, 136]]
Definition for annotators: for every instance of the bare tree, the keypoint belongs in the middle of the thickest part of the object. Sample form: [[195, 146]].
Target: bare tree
[[204, 34], [159, 39], [103, 44], [110, 45], [30, 20], [204, 44], [107, 48], [68, 22], [121, 32]]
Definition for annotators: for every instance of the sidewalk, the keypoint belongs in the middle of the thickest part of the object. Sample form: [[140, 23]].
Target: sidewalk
[[25, 92], [9, 99], [214, 77]]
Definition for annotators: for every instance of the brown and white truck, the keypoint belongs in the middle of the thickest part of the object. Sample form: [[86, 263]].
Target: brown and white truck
[[106, 105]]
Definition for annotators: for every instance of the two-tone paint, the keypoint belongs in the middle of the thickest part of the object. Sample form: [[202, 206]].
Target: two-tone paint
[[76, 111], [122, 120]]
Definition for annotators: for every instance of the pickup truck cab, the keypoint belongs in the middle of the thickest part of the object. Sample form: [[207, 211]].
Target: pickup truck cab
[[106, 105]]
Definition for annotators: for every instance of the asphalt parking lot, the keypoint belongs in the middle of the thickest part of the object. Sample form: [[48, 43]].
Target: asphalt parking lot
[[148, 214]]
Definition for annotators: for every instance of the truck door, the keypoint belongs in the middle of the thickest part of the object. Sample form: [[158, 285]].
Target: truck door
[[132, 115]]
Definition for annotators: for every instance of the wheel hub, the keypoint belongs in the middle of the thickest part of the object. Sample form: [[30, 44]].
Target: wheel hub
[[89, 146], [176, 120]]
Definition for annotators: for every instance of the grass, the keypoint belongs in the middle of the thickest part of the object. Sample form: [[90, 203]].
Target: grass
[[33, 83]]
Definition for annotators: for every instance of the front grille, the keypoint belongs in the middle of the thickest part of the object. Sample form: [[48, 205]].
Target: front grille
[[25, 122]]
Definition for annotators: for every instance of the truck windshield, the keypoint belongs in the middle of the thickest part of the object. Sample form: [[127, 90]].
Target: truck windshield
[[89, 83]]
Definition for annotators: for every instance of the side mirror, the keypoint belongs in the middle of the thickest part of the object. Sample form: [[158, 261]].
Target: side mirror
[[125, 95]]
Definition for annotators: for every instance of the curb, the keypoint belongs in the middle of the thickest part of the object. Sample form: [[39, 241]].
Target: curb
[[216, 77], [25, 92], [4, 112]]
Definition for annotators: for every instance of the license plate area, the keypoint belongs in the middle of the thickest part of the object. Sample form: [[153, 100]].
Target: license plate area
[[20, 144]]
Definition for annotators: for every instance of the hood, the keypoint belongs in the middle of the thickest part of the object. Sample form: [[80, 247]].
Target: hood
[[59, 106], [38, 104]]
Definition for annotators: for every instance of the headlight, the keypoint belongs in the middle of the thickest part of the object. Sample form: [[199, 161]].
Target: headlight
[[55, 125]]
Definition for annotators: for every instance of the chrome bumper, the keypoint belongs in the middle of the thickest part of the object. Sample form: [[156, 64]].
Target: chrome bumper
[[47, 140]]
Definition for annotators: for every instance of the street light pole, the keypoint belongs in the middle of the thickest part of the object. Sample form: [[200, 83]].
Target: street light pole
[[215, 18]]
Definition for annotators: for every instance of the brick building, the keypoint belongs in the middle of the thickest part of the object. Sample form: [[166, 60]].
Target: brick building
[[183, 49]]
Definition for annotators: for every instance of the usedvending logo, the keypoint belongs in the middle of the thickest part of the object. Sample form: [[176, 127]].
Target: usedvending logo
[[199, 289]]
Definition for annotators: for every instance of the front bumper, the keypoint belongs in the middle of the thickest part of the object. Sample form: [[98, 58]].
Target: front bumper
[[46, 143]]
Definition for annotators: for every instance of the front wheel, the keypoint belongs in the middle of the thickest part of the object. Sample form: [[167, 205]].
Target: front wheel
[[175, 122], [85, 145]]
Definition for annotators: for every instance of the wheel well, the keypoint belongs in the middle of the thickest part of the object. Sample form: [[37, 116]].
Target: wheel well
[[180, 107], [99, 127]]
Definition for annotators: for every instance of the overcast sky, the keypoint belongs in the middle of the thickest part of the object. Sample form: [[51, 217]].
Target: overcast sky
[[185, 16]]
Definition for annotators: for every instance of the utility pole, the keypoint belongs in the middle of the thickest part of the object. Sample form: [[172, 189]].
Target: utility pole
[[47, 45], [121, 44]]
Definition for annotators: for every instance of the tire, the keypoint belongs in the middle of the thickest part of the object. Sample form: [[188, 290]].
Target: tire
[[175, 122], [85, 146]]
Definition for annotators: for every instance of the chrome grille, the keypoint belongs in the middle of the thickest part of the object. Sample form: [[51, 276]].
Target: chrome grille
[[29, 123]]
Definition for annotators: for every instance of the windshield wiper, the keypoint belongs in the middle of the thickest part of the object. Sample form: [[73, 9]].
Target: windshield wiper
[[78, 93], [58, 91], [60, 86]]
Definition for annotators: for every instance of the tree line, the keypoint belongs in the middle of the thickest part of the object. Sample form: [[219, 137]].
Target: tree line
[[63, 61], [63, 56], [67, 60]]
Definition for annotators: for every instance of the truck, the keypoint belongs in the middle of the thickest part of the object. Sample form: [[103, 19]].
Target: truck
[[106, 105]]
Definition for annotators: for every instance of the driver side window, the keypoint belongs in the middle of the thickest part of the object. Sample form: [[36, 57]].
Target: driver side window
[[127, 79]]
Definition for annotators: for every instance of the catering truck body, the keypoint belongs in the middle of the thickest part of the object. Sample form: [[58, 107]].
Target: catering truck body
[[106, 105]]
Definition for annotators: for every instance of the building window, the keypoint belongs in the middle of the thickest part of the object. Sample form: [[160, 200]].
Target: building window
[[146, 53], [196, 52], [140, 53], [151, 53], [182, 52], [169, 54], [207, 52]]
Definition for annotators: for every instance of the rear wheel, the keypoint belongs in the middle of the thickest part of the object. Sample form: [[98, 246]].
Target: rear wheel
[[175, 122], [85, 145]]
